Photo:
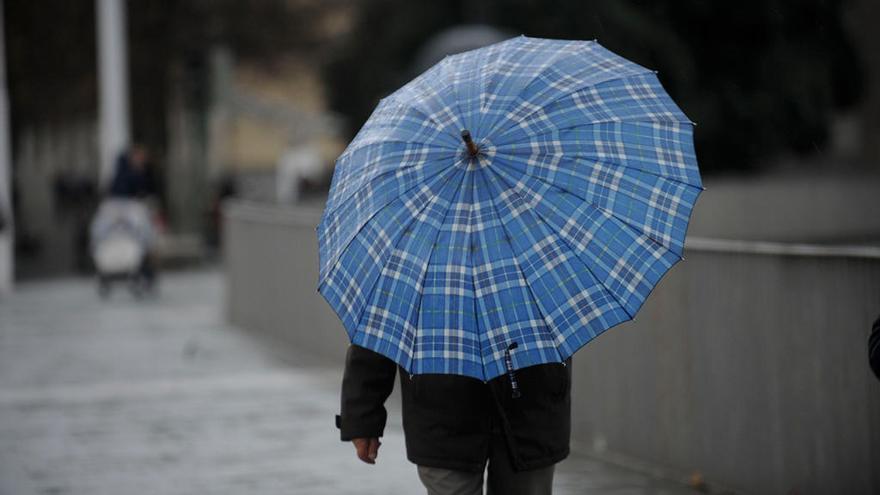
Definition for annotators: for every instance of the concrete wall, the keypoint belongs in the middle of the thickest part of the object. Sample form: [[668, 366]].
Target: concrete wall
[[748, 367], [272, 272], [748, 363], [790, 208]]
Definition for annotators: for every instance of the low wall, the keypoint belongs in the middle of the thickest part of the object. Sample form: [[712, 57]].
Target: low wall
[[271, 262], [790, 208], [748, 363]]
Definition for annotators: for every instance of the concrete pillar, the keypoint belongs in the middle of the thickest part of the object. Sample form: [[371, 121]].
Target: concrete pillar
[[220, 116], [6, 232], [113, 112], [186, 186]]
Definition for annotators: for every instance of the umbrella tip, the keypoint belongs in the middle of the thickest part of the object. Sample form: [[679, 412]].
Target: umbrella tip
[[469, 142]]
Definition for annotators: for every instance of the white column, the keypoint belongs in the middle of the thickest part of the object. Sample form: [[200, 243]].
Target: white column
[[6, 235], [113, 121]]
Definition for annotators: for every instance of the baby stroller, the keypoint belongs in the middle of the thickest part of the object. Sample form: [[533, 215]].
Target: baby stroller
[[122, 238]]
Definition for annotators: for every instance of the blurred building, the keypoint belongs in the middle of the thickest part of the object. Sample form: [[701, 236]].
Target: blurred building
[[256, 117], [219, 93]]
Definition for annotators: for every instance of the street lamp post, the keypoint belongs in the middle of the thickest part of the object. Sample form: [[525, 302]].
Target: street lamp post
[[113, 117]]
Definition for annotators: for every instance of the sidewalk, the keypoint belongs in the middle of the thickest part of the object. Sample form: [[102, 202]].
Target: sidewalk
[[161, 397]]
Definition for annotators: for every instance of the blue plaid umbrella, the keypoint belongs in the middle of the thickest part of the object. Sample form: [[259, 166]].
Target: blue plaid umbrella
[[506, 207]]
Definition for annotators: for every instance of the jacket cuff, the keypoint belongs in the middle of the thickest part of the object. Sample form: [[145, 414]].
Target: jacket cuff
[[349, 431]]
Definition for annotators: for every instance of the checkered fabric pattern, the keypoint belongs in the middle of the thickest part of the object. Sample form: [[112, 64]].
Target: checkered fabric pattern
[[576, 205]]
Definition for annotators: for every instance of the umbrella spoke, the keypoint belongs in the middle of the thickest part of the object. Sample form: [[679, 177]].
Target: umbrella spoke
[[455, 99], [339, 234], [656, 207], [508, 308], [431, 97], [472, 226], [400, 166], [657, 148], [341, 224], [490, 59], [575, 301], [626, 261], [447, 322], [396, 121], [584, 67], [637, 98], [568, 66], [466, 89], [516, 69], [390, 319]]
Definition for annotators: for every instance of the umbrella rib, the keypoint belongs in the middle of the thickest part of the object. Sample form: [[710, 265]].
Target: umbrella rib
[[501, 142], [413, 219], [373, 179], [566, 156], [332, 264], [513, 150], [547, 63], [477, 87], [603, 210], [440, 127], [489, 65], [422, 280], [470, 240], [486, 78], [547, 320], [420, 95], [572, 249], [625, 225], [378, 141], [373, 125], [590, 65], [457, 98], [591, 204], [576, 89], [392, 160]]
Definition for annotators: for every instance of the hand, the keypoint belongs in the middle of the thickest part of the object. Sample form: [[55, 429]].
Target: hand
[[367, 449]]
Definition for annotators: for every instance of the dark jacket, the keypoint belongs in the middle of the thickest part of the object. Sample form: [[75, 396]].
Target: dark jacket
[[131, 182], [874, 348], [449, 420]]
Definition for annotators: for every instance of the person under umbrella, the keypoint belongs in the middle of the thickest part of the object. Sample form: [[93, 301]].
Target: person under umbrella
[[492, 217]]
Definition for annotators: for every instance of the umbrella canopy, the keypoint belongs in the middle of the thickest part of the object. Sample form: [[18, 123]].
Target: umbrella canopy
[[550, 222]]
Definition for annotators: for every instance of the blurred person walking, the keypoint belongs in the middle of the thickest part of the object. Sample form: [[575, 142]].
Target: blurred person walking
[[476, 265], [133, 175]]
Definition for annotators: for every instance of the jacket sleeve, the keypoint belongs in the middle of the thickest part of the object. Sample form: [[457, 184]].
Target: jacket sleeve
[[368, 380]]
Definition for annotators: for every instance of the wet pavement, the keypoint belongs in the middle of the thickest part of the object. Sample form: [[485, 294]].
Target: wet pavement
[[160, 396]]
